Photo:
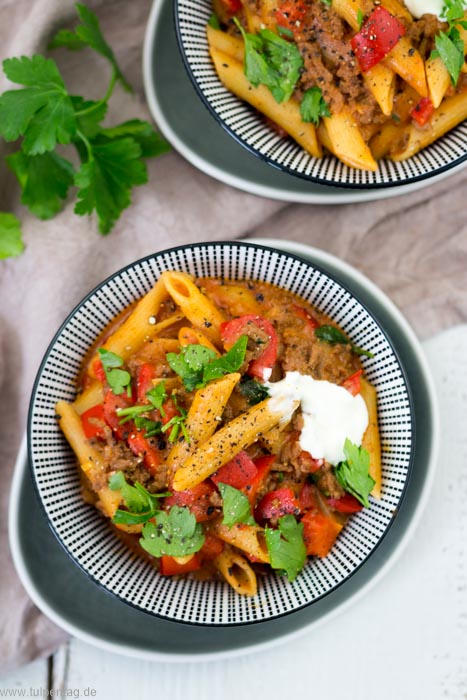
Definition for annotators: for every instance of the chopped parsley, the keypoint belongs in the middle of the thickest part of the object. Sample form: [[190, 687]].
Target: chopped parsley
[[272, 61], [449, 45], [353, 474], [253, 391], [141, 505], [175, 533], [197, 365], [236, 506], [286, 547], [333, 336], [177, 423], [118, 379], [313, 106]]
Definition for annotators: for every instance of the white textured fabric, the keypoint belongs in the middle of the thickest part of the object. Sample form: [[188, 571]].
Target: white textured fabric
[[414, 247]]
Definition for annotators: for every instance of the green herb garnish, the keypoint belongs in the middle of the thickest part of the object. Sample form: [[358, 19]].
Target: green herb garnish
[[353, 474], [177, 424], [253, 391], [142, 505], [287, 551], [197, 365], [118, 379], [333, 336], [313, 106], [11, 242], [45, 115], [175, 533], [236, 506], [272, 61], [449, 45]]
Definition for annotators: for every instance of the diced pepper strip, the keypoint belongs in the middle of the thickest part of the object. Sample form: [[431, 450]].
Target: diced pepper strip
[[237, 473], [311, 323], [352, 383], [290, 15], [345, 504], [379, 34], [143, 448], [275, 504], [263, 467], [232, 330], [422, 111], [111, 403], [232, 6], [98, 369], [93, 422], [319, 533], [197, 500], [212, 547], [144, 376], [168, 566]]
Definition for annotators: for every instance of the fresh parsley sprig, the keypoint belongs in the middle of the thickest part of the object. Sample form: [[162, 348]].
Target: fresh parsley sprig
[[45, 115], [333, 336], [272, 61], [286, 547], [175, 533], [118, 379], [353, 474], [236, 506], [141, 504], [313, 106], [197, 365], [449, 45]]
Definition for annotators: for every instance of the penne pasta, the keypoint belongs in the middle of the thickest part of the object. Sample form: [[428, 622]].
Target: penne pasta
[[346, 141], [247, 538], [195, 305], [231, 439], [407, 62], [237, 572], [92, 396], [192, 336]]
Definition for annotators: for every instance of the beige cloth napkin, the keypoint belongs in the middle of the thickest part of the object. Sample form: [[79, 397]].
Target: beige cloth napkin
[[414, 247]]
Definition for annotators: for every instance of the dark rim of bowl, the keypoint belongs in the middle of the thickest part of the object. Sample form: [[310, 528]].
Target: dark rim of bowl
[[85, 299], [284, 168]]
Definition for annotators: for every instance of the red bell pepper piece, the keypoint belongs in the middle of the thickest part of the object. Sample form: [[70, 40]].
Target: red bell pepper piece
[[319, 533], [93, 422], [243, 325], [275, 504], [98, 370], [197, 499], [263, 467], [379, 34], [170, 410], [144, 376], [111, 403], [143, 448], [345, 504], [308, 463], [168, 566], [290, 15], [232, 6], [422, 111], [352, 383], [212, 547], [237, 473], [307, 497], [311, 323]]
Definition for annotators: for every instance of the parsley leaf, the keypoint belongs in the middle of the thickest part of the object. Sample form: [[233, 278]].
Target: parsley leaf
[[213, 21], [197, 365], [106, 180], [353, 474], [11, 243], [333, 336], [142, 505], [175, 533], [42, 111], [118, 379], [88, 33], [44, 179], [253, 391], [150, 142], [450, 48], [313, 106], [150, 427], [236, 506], [272, 61], [286, 547]]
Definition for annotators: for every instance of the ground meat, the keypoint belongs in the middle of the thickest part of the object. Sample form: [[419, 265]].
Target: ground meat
[[424, 30], [327, 482]]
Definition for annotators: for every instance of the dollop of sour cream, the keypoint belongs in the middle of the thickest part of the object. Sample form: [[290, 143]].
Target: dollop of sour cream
[[417, 8], [330, 414]]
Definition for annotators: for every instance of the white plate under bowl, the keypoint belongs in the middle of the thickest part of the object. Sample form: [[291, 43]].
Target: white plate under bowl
[[87, 612], [195, 134]]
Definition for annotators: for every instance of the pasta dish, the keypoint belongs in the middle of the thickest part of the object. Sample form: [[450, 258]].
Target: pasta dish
[[363, 80], [225, 428]]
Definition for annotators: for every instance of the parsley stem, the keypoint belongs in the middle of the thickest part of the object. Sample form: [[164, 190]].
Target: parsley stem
[[87, 144], [105, 99]]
